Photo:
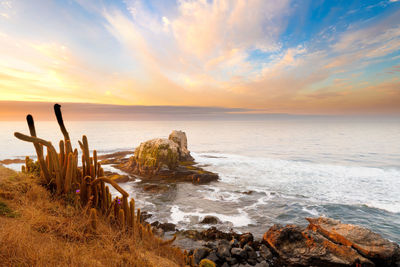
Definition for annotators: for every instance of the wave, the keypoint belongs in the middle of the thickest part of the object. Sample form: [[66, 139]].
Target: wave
[[316, 183]]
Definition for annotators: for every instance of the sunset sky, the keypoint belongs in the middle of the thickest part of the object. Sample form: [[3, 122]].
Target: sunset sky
[[298, 57]]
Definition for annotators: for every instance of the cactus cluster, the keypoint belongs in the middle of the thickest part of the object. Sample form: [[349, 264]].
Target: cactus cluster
[[87, 183]]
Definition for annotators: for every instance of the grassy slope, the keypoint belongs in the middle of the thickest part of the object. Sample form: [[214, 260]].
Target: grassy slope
[[39, 230]]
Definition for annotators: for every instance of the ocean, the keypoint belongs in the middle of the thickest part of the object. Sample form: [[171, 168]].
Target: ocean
[[277, 170]]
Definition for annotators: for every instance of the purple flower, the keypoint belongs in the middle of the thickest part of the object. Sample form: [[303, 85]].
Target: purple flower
[[77, 191], [119, 202]]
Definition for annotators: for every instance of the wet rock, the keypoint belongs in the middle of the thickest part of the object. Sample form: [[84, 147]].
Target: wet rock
[[234, 243], [144, 216], [180, 139], [369, 244], [303, 247], [262, 264], [239, 253], [231, 260], [210, 220], [224, 249], [245, 238], [213, 233], [213, 256], [199, 254], [167, 227], [211, 245], [155, 188], [252, 262], [155, 224], [225, 265], [265, 253]]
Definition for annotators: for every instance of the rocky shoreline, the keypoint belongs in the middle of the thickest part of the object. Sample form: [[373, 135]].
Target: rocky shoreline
[[324, 242]]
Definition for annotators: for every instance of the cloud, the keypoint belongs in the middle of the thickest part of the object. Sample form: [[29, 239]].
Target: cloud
[[197, 53]]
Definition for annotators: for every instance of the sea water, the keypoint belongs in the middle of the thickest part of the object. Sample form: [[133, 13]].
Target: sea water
[[271, 171]]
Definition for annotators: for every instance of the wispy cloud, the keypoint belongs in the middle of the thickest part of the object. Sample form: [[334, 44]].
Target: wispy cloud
[[200, 53]]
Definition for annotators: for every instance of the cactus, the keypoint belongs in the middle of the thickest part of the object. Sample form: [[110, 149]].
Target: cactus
[[138, 217], [125, 206], [121, 218], [69, 173], [93, 219], [95, 163], [132, 213]]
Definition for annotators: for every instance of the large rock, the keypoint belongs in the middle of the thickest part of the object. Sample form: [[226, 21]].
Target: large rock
[[155, 154], [328, 242], [166, 159], [180, 139], [297, 246], [369, 244]]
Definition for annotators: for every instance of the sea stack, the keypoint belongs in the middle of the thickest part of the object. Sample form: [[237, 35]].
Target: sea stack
[[167, 159]]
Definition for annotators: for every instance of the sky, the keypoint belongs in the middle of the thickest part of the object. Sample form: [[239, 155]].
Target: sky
[[264, 56]]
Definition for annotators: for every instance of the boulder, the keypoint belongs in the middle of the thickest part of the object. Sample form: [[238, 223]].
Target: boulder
[[210, 220], [369, 244], [179, 137], [297, 246], [199, 254], [165, 159], [155, 154]]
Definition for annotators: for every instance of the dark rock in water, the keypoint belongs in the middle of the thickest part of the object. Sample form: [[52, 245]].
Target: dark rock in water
[[213, 233], [155, 188], [245, 238], [234, 243], [265, 253], [224, 249], [252, 262], [231, 260], [303, 247], [145, 215], [210, 220], [239, 253], [155, 224], [213, 256], [199, 254], [211, 245], [167, 227], [369, 244], [262, 264], [167, 159]]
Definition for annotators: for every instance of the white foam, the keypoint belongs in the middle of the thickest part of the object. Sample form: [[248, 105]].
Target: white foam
[[238, 220], [321, 183], [311, 211]]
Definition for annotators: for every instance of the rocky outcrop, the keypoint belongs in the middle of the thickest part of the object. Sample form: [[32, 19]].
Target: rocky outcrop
[[369, 244], [156, 154], [327, 242], [180, 139], [166, 159]]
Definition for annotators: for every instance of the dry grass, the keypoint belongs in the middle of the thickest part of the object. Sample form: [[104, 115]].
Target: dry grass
[[45, 231]]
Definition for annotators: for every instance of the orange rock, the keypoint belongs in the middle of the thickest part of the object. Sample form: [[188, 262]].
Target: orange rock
[[304, 247], [367, 243]]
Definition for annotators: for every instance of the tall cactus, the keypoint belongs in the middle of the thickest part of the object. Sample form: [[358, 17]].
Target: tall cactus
[[61, 172]]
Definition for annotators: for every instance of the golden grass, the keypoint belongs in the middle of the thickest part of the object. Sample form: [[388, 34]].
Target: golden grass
[[47, 231]]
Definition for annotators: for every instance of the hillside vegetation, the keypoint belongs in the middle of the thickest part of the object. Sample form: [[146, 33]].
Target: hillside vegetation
[[39, 229]]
